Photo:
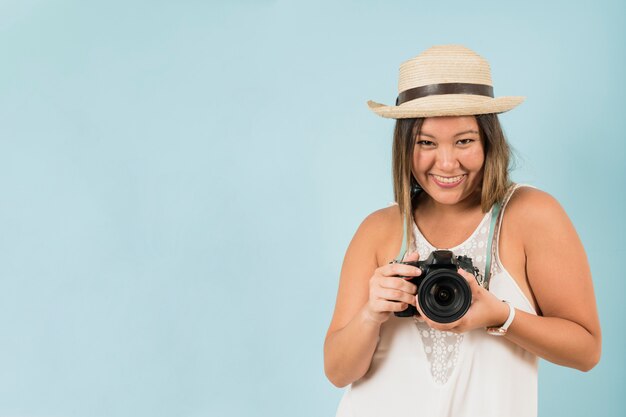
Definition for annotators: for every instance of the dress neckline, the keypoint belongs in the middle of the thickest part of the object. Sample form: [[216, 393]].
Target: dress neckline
[[418, 232]]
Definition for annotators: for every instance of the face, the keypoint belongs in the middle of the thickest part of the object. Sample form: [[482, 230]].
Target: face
[[448, 158]]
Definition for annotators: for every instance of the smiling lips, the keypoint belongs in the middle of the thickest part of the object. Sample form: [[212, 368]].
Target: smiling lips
[[448, 182]]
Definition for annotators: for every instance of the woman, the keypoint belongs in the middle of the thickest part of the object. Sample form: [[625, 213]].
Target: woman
[[453, 192]]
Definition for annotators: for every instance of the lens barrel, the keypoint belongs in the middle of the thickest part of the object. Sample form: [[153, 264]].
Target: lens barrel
[[444, 296]]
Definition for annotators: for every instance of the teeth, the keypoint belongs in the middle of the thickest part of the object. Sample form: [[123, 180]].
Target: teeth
[[448, 180]]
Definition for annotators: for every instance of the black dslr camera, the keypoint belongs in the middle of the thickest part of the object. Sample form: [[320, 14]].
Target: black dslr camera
[[444, 295]]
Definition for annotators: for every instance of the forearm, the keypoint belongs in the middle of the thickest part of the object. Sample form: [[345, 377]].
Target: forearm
[[348, 351], [557, 340]]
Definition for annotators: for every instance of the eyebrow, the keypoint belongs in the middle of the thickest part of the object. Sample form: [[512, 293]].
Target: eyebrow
[[457, 134]]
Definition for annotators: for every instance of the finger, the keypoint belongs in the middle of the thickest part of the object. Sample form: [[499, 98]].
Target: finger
[[466, 275], [470, 278], [395, 270], [398, 283], [386, 306], [411, 257], [394, 295], [444, 327], [449, 327], [419, 309]]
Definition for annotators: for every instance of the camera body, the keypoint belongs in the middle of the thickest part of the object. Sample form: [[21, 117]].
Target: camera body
[[443, 294]]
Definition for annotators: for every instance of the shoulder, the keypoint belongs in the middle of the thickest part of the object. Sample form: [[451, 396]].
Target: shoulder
[[380, 233], [530, 203], [382, 220], [531, 210]]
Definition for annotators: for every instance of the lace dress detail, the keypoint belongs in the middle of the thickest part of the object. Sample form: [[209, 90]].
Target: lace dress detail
[[461, 367], [442, 347]]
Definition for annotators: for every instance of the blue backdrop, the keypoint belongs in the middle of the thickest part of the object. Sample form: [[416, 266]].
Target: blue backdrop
[[179, 182]]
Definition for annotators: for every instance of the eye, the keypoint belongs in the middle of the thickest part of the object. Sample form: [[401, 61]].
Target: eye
[[425, 143], [465, 141]]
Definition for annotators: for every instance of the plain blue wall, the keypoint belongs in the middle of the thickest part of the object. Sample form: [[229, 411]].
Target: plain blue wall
[[179, 182]]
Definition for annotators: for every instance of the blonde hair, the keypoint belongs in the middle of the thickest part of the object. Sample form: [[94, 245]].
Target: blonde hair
[[495, 169]]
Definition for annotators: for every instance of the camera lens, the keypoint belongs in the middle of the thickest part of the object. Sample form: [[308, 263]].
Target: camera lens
[[444, 296]]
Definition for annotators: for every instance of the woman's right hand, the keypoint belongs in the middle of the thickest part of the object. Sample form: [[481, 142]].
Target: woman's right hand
[[390, 293]]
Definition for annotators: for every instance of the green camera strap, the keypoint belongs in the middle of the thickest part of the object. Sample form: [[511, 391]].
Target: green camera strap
[[405, 232], [495, 211]]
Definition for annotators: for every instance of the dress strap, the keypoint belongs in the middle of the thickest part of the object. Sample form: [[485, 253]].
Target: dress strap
[[495, 210], [497, 220]]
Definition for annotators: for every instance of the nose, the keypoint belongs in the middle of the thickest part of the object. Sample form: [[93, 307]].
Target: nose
[[447, 160]]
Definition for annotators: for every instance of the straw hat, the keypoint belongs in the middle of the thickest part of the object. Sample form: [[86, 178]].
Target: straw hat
[[447, 80]]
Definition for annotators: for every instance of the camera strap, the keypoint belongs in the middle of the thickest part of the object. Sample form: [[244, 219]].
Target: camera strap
[[405, 232], [495, 211]]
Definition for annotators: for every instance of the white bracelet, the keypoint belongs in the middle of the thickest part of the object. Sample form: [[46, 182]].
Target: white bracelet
[[501, 331]]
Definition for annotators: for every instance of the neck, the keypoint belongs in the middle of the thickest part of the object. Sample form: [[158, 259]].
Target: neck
[[428, 205]]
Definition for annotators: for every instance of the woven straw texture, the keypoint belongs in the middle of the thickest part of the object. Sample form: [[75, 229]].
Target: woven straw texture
[[445, 64]]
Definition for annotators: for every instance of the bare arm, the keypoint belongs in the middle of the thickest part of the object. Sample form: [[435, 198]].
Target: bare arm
[[560, 279], [568, 331], [363, 300]]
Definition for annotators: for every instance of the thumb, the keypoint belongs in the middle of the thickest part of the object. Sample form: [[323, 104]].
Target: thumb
[[411, 257], [471, 280]]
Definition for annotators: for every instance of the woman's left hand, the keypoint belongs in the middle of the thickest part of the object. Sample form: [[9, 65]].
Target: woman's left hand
[[486, 310]]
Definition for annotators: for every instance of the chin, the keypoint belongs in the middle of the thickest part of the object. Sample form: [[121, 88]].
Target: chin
[[448, 201], [448, 198]]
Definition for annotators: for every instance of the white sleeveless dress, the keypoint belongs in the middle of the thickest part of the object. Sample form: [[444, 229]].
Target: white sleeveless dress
[[419, 371]]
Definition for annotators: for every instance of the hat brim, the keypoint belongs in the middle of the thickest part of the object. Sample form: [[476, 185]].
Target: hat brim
[[447, 105]]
